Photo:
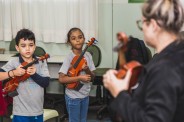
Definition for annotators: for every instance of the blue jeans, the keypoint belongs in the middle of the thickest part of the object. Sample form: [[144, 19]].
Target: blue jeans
[[17, 118], [77, 108]]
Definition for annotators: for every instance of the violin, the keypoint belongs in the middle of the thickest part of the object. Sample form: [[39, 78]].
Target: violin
[[12, 83], [77, 66], [133, 65]]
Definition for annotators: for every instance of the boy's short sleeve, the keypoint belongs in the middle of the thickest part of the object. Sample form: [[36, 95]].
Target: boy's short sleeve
[[10, 65], [44, 69]]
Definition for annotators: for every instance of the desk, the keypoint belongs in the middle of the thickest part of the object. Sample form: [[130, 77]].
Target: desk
[[54, 62], [56, 59]]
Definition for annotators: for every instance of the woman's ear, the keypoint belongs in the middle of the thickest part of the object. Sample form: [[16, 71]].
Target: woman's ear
[[154, 25]]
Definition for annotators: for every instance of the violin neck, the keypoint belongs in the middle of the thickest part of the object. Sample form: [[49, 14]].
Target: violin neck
[[80, 57], [30, 64], [24, 67], [122, 59]]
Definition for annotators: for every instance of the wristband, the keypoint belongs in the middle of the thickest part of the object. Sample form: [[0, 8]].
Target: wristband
[[13, 73], [9, 74]]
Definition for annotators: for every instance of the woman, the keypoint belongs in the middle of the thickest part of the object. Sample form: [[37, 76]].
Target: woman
[[159, 96]]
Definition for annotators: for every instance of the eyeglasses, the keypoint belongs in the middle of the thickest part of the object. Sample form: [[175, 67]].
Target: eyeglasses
[[140, 24]]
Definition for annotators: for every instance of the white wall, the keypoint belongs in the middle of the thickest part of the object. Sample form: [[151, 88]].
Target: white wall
[[121, 16]]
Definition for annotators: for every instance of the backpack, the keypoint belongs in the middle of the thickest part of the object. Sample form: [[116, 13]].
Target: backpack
[[136, 50]]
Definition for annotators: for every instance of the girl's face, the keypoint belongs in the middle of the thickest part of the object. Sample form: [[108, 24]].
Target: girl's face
[[26, 48], [77, 40]]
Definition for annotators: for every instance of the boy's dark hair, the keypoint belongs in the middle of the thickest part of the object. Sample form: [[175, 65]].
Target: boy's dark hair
[[71, 31], [25, 34]]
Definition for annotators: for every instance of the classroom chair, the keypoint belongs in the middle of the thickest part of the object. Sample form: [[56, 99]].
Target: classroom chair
[[39, 51], [12, 45], [2, 50], [101, 96]]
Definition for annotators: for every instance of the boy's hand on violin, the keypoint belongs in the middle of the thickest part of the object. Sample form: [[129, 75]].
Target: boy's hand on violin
[[115, 85], [31, 70], [19, 71], [85, 78]]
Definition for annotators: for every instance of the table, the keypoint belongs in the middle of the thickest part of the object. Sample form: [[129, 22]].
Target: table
[[55, 59], [54, 62]]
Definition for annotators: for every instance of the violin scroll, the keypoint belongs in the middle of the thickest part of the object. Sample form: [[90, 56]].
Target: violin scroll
[[93, 40], [123, 41], [46, 56]]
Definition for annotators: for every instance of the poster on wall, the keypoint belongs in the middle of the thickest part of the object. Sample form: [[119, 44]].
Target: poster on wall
[[141, 1], [136, 1]]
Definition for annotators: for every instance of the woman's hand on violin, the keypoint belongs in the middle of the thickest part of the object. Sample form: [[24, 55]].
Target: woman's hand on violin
[[115, 85], [85, 78], [19, 71], [31, 70]]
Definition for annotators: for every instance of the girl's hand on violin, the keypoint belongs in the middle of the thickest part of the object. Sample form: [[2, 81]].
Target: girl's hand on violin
[[19, 71], [115, 85], [31, 70], [85, 67], [85, 78]]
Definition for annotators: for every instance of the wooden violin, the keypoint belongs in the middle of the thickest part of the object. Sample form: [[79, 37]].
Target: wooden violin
[[12, 83], [77, 65], [133, 65]]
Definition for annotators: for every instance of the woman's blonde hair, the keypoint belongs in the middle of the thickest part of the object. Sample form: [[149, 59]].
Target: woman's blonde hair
[[169, 14]]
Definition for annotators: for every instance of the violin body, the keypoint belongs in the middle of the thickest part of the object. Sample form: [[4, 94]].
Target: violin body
[[13, 83], [72, 72], [77, 66], [136, 69]]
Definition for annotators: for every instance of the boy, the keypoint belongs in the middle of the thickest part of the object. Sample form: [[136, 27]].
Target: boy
[[28, 104]]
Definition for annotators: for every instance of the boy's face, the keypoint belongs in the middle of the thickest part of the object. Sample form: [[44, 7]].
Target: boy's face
[[26, 48]]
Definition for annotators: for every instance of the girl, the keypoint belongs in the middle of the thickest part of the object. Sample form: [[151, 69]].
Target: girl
[[159, 96], [77, 100]]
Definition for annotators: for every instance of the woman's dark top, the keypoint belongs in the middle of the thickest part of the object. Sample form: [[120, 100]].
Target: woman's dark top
[[159, 96]]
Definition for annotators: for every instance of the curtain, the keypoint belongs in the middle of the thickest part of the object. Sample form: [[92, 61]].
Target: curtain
[[50, 20]]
